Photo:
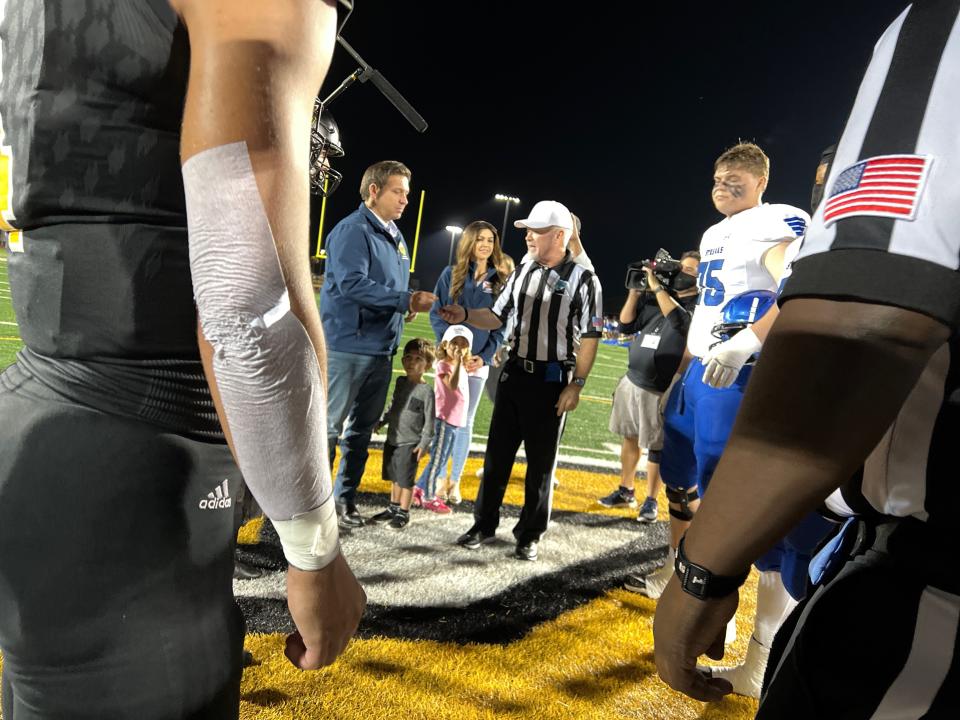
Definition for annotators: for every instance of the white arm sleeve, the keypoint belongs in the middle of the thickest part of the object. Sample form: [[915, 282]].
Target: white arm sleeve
[[265, 365]]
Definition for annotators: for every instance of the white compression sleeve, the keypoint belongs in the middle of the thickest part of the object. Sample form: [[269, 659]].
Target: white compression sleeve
[[265, 365]]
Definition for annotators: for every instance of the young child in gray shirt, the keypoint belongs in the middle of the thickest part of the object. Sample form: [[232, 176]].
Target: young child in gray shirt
[[409, 420]]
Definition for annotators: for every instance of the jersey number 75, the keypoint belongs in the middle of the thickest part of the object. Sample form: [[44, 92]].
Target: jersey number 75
[[711, 289]]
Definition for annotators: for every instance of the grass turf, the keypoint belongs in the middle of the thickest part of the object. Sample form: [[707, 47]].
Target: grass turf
[[594, 662], [10, 341]]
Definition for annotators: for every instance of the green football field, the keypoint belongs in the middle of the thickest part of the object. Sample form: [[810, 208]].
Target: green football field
[[586, 435], [9, 337]]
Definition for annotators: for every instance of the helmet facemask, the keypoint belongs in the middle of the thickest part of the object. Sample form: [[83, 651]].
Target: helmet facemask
[[324, 144]]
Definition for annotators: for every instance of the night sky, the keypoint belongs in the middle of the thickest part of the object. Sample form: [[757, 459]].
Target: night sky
[[616, 110]]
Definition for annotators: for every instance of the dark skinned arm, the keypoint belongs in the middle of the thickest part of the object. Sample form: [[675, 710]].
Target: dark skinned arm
[[850, 367]]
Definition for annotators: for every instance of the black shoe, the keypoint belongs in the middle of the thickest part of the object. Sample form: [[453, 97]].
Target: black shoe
[[247, 658], [526, 551], [472, 539], [636, 583], [400, 519], [348, 515], [245, 571], [621, 497], [386, 515]]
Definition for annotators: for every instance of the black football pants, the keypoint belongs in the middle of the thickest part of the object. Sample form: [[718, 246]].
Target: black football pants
[[524, 411], [116, 561]]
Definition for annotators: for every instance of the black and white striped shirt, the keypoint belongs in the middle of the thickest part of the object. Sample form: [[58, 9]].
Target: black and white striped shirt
[[908, 105], [554, 308], [890, 235]]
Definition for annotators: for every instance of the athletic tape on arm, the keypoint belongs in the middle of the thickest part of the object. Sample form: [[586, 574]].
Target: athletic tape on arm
[[264, 362]]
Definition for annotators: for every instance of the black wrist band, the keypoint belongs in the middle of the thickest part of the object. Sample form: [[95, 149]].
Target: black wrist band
[[696, 580], [466, 314]]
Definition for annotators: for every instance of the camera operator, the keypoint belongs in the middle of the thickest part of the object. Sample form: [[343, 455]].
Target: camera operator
[[658, 310]]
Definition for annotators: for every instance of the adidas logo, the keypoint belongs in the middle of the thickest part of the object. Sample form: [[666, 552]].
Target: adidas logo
[[218, 499]]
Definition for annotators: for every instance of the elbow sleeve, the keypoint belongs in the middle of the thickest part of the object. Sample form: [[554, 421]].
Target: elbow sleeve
[[264, 363]]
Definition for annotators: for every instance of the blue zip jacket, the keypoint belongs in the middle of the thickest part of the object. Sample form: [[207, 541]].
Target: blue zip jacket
[[474, 295], [365, 290]]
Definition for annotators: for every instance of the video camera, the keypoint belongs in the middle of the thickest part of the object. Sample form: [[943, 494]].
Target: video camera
[[663, 266]]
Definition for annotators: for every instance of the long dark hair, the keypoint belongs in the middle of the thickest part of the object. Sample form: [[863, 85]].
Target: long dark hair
[[465, 257]]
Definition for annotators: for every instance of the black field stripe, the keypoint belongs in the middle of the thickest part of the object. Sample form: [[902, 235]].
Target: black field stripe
[[499, 619], [898, 115]]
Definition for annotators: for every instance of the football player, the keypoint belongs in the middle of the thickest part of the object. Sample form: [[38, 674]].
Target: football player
[[741, 253], [154, 157], [860, 371]]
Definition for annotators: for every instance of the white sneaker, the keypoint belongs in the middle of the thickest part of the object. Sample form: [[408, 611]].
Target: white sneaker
[[653, 584], [747, 679], [731, 634]]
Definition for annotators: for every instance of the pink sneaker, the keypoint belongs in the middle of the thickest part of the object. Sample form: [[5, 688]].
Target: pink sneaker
[[436, 505], [417, 500]]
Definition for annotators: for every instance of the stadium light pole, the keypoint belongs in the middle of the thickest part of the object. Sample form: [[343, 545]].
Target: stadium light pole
[[508, 200], [454, 230]]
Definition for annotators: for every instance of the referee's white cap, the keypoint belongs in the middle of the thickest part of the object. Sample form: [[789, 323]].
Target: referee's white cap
[[547, 213]]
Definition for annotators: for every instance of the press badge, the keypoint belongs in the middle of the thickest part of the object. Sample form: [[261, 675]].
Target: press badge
[[650, 341]]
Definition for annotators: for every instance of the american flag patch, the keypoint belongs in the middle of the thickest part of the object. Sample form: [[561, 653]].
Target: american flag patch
[[884, 186], [597, 322]]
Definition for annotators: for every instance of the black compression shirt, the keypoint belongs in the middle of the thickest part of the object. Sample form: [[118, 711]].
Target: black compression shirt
[[91, 194], [91, 102]]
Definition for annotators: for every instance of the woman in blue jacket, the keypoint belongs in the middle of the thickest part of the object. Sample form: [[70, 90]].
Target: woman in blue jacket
[[473, 282]]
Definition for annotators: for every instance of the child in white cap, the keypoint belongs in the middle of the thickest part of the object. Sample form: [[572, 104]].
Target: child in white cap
[[451, 391]]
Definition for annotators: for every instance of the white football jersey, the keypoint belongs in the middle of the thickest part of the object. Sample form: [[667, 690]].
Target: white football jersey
[[731, 262], [789, 257]]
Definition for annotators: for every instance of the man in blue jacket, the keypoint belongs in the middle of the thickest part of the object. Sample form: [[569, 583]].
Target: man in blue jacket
[[363, 303]]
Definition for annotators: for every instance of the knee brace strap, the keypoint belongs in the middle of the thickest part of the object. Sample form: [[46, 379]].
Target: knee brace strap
[[683, 498], [654, 456]]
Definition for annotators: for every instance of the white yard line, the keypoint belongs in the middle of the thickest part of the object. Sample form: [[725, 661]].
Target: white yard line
[[5, 322], [479, 447], [594, 375], [582, 462], [618, 366]]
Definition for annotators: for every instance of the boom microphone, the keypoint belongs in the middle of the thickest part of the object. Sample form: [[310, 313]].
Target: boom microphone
[[364, 73]]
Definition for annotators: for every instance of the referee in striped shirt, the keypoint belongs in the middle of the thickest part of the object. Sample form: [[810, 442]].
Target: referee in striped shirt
[[558, 311], [861, 370]]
